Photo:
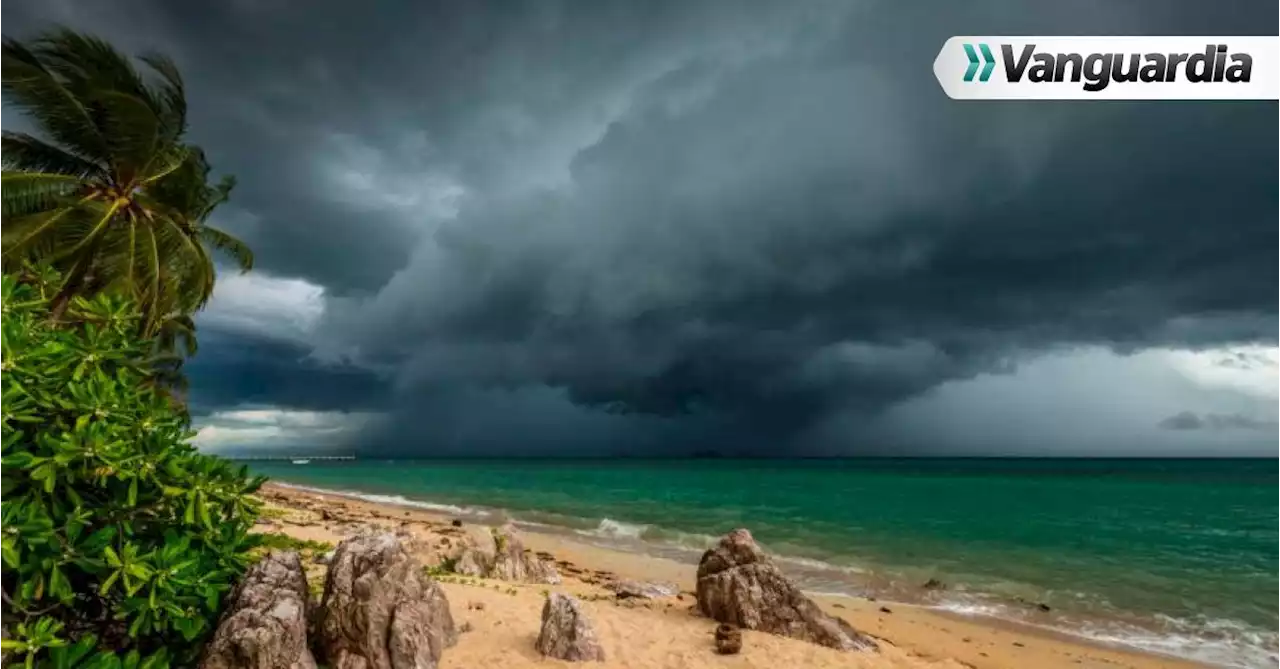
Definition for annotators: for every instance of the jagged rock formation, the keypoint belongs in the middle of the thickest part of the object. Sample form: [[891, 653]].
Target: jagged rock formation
[[500, 554], [380, 611], [265, 626], [738, 584], [566, 633]]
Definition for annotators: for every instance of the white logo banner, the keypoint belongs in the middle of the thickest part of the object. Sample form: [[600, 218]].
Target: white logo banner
[[1110, 68]]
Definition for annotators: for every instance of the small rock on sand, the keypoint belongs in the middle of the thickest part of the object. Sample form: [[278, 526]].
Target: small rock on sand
[[626, 589], [728, 639], [566, 633]]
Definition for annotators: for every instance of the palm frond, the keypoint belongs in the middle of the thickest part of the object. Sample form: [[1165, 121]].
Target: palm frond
[[26, 153], [32, 89], [171, 90], [24, 236], [165, 163], [193, 263], [232, 246], [26, 193], [132, 131], [93, 235], [154, 266], [218, 194], [177, 329], [30, 238], [87, 63]]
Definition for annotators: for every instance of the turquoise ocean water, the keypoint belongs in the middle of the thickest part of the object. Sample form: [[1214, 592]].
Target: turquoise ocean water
[[1173, 556]]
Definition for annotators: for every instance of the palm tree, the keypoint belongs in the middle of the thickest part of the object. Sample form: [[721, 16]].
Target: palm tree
[[187, 194], [189, 199], [107, 193]]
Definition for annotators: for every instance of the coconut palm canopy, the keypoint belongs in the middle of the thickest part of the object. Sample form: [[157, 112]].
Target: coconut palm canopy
[[106, 190]]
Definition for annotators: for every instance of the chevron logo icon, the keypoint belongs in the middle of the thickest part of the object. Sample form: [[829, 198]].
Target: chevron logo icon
[[987, 57]]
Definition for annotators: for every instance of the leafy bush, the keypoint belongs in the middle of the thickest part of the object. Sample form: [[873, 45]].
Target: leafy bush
[[447, 566], [119, 538], [278, 541]]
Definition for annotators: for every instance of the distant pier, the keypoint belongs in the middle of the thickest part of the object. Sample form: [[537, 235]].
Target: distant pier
[[290, 458]]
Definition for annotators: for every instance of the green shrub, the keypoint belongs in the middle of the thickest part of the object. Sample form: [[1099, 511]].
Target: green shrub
[[273, 513], [119, 538], [283, 542]]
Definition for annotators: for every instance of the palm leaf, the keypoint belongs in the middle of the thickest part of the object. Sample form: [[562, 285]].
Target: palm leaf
[[155, 266], [34, 90], [94, 233], [219, 194], [165, 163], [133, 132], [30, 154], [171, 90], [195, 265], [22, 235], [229, 245], [33, 192], [181, 328], [87, 63]]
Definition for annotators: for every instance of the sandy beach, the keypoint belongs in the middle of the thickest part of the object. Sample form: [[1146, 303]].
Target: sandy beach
[[503, 618]]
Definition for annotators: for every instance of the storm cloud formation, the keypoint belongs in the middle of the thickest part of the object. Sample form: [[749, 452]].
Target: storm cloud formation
[[639, 227], [1214, 421]]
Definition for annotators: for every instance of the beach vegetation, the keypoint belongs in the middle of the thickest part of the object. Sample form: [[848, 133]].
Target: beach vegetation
[[120, 539], [273, 512], [499, 539], [281, 541], [445, 570]]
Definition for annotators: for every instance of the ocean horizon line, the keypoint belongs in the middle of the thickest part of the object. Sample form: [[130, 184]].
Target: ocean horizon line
[[660, 458]]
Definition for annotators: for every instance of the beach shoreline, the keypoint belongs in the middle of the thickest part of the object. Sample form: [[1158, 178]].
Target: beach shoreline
[[914, 635]]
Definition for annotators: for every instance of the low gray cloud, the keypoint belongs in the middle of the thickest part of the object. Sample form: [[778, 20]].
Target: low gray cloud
[[1189, 420], [240, 369]]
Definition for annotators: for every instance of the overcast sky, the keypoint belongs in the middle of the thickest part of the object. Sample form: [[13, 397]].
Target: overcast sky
[[759, 227]]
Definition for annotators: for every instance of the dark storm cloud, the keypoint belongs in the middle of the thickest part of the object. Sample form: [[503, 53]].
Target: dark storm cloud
[[239, 370], [290, 95], [646, 224], [815, 229], [1189, 420]]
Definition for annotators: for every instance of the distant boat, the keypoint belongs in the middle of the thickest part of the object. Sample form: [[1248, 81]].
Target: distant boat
[[301, 462]]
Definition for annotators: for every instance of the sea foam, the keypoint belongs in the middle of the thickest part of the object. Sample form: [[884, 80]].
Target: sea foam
[[1222, 643], [395, 500]]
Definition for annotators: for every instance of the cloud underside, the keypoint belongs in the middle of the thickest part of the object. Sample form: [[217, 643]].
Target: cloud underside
[[647, 227], [1188, 420]]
